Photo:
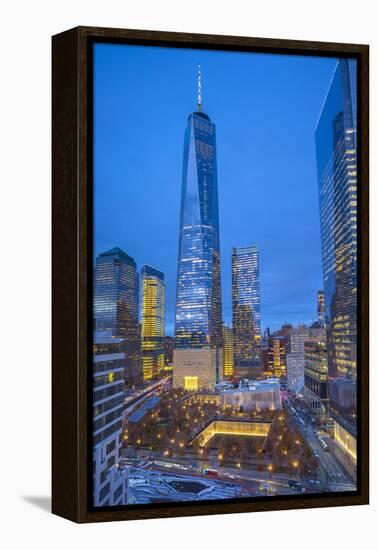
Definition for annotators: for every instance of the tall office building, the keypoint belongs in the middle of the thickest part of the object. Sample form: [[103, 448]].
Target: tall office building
[[246, 311], [316, 378], [285, 333], [295, 358], [152, 317], [298, 337], [109, 485], [295, 372], [336, 143], [228, 352], [198, 321], [277, 357], [321, 308], [115, 306]]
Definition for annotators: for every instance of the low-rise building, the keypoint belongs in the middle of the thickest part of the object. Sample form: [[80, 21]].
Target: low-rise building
[[253, 395]]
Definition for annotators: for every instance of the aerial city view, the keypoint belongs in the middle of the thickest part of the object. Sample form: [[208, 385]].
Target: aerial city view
[[225, 267]]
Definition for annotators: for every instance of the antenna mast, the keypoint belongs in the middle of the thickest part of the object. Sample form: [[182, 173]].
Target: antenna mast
[[199, 96]]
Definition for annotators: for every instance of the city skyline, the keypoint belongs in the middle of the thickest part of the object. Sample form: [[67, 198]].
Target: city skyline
[[279, 302], [220, 411]]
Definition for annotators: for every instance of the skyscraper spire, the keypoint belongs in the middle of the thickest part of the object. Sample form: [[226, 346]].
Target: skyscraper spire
[[197, 355], [199, 97]]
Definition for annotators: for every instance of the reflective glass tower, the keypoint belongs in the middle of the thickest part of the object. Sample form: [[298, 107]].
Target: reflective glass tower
[[198, 319], [246, 309], [115, 306], [336, 149], [152, 316], [336, 142]]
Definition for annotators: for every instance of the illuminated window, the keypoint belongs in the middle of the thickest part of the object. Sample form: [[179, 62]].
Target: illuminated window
[[191, 383]]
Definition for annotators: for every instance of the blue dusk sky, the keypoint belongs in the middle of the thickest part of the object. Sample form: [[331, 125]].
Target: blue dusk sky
[[265, 108]]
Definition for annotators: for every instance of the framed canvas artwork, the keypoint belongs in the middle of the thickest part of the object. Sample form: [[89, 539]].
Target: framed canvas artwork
[[210, 274]]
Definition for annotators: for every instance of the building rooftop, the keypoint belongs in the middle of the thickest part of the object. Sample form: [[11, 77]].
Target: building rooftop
[[116, 251], [148, 271], [253, 386], [149, 404], [200, 114], [240, 250]]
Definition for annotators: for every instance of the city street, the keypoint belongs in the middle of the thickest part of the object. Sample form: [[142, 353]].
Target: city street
[[227, 482], [334, 475], [137, 397]]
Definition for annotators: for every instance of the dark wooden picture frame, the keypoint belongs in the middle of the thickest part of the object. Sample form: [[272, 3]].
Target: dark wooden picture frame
[[72, 206]]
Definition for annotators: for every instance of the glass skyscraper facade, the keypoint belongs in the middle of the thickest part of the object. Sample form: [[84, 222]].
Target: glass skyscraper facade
[[336, 143], [246, 308], [153, 317], [115, 306], [199, 303], [198, 317]]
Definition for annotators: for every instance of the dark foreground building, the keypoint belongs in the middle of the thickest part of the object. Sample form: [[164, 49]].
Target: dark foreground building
[[109, 485]]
